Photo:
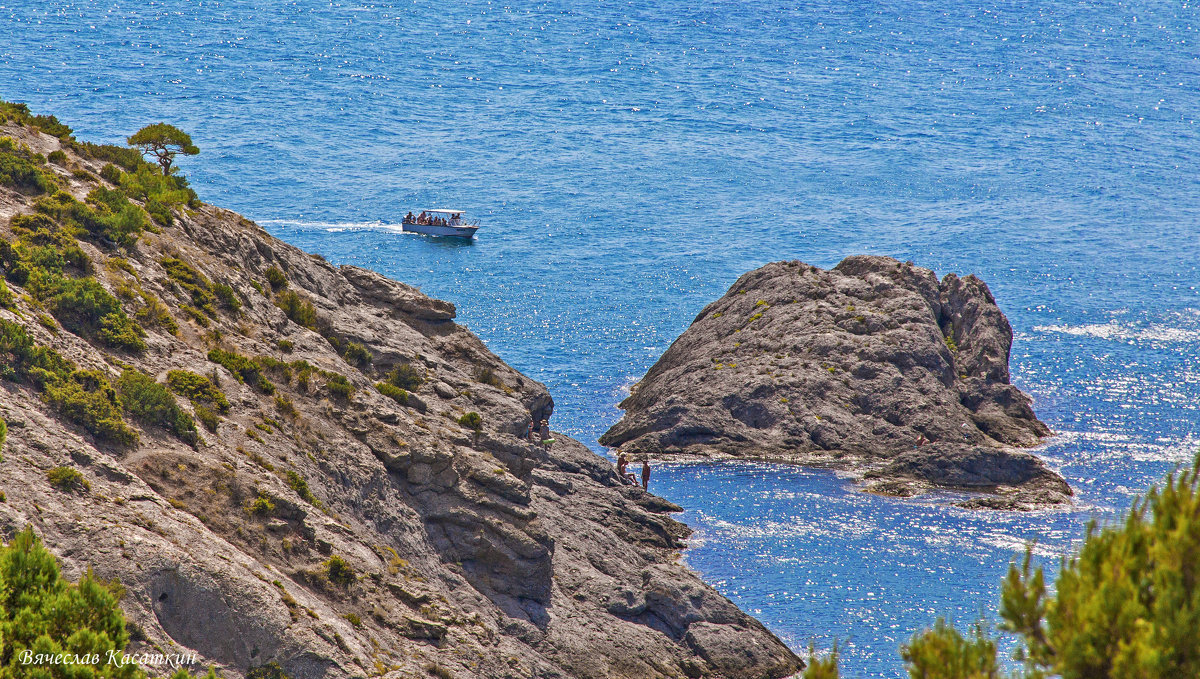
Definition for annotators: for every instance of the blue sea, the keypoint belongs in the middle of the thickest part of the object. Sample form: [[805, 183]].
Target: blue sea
[[630, 160]]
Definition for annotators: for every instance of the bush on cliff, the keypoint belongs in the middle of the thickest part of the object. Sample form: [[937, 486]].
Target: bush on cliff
[[85, 308], [246, 370], [40, 611], [152, 403], [1126, 605], [197, 389], [298, 309]]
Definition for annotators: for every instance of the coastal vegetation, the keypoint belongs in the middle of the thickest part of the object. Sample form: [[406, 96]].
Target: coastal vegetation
[[163, 142], [1127, 604]]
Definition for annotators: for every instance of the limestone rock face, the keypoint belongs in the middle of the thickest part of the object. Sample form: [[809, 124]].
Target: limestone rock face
[[474, 553], [858, 367]]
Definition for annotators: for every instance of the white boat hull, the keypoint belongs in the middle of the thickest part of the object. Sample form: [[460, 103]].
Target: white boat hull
[[436, 230]]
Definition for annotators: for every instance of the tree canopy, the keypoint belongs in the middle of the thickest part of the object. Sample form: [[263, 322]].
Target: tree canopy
[[163, 142], [1126, 605]]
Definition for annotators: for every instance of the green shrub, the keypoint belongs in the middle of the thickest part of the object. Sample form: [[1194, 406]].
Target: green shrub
[[286, 346], [353, 619], [152, 403], [227, 295], [487, 376], [68, 480], [339, 386], [199, 288], [6, 297], [298, 309], [18, 170], [298, 484], [87, 399], [944, 653], [339, 572], [197, 389], [276, 278], [111, 174], [245, 369], [85, 308], [41, 611], [357, 355], [22, 359], [114, 219], [822, 668], [57, 157], [405, 376], [472, 420], [393, 392], [285, 406], [208, 418], [270, 670], [3, 434], [260, 506]]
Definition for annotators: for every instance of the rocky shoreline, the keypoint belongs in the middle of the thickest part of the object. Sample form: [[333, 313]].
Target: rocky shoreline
[[874, 366], [338, 484]]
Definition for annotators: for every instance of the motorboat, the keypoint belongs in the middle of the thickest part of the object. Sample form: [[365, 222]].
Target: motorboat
[[440, 222]]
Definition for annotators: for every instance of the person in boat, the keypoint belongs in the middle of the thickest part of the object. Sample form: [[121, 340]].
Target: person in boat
[[409, 217], [623, 471], [645, 473], [454, 220], [422, 217]]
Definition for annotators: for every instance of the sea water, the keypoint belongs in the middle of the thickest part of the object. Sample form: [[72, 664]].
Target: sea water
[[630, 160]]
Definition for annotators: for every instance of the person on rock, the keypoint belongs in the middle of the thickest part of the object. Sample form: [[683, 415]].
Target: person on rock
[[623, 471], [529, 430], [645, 473], [544, 432]]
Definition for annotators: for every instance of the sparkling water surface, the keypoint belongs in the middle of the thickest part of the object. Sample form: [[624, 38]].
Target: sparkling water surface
[[630, 161]]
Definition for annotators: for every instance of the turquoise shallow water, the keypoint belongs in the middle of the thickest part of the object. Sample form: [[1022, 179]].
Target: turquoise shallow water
[[630, 162]]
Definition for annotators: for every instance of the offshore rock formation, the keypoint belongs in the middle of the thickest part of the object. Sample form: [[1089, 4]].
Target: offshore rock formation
[[461, 550], [873, 366]]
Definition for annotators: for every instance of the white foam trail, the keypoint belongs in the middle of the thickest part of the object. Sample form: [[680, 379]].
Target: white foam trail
[[335, 227]]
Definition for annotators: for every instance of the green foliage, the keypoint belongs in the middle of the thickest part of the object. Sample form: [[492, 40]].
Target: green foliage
[[339, 572], [87, 399], [228, 297], [42, 612], [950, 343], [246, 370], [68, 480], [472, 420], [1127, 605], [339, 386], [6, 297], [159, 193], [197, 389], [487, 376], [270, 670], [353, 619], [127, 158], [286, 346], [297, 308], [942, 652], [18, 169], [276, 278], [405, 376], [300, 485], [152, 403], [57, 157], [163, 142], [20, 114], [357, 355], [821, 668], [85, 308], [208, 418], [393, 392], [260, 506], [114, 219], [193, 282], [111, 174], [3, 434], [23, 360]]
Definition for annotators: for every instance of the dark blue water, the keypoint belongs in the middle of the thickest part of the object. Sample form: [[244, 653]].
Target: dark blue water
[[630, 162]]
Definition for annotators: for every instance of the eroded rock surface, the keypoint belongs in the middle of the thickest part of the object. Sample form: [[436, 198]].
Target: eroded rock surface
[[474, 553], [874, 365]]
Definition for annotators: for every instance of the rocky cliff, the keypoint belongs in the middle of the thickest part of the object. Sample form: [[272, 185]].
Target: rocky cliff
[[874, 366], [278, 459]]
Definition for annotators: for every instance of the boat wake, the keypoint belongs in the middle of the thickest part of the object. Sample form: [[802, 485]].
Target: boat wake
[[333, 227]]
